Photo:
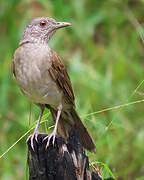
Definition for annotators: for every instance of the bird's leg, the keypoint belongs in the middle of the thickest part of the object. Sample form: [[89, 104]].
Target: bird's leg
[[53, 134], [36, 131]]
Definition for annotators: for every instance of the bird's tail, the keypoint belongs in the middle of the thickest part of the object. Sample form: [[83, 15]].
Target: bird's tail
[[70, 119]]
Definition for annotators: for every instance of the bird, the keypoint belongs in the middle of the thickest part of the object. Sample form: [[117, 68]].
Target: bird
[[42, 77]]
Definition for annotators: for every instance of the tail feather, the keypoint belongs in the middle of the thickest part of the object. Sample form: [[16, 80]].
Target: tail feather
[[84, 136], [70, 119]]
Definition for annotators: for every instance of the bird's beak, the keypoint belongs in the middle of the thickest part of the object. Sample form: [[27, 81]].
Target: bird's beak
[[61, 24]]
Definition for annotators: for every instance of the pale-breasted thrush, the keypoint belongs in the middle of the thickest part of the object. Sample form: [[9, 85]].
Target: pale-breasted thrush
[[42, 77]]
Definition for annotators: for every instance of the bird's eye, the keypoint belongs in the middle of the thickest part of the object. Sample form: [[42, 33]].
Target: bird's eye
[[43, 23]]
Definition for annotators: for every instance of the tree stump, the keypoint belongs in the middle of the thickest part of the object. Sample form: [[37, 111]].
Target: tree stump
[[59, 162]]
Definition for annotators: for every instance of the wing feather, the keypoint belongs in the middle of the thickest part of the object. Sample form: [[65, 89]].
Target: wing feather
[[13, 68], [60, 76]]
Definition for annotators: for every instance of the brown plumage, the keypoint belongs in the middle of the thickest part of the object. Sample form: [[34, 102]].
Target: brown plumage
[[43, 78], [60, 76]]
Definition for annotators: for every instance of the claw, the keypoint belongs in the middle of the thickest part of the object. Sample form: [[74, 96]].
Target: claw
[[35, 134], [31, 138], [48, 138], [53, 134]]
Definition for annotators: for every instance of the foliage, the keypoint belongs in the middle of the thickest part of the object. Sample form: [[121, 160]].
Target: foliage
[[103, 52]]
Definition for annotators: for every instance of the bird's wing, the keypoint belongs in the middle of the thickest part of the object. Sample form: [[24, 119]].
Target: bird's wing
[[60, 76], [13, 68]]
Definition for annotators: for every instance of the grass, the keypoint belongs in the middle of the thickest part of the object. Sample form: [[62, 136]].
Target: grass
[[103, 52]]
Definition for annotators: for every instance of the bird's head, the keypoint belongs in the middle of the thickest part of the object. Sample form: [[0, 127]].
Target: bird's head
[[41, 29]]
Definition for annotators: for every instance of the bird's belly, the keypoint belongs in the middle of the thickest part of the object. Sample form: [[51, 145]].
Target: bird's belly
[[39, 87], [43, 94]]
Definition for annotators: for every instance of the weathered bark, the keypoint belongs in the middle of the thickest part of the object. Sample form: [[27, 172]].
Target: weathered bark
[[59, 162]]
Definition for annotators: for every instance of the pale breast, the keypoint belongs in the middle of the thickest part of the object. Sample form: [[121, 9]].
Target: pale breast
[[31, 69]]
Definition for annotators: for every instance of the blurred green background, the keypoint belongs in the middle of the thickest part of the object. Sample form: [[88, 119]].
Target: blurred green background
[[103, 51]]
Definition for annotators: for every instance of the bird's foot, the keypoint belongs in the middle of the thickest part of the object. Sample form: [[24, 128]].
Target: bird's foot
[[48, 138], [33, 136]]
